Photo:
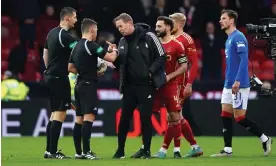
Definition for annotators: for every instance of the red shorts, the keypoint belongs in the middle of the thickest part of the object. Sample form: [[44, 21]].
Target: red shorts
[[167, 96], [181, 89]]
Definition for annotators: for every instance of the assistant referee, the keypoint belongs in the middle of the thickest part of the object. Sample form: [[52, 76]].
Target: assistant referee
[[84, 61], [58, 46]]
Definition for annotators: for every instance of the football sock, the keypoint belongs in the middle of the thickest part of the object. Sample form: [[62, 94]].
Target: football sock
[[177, 135], [48, 129], [227, 131], [228, 149], [168, 137], [54, 136], [86, 134], [187, 132], [176, 149], [173, 131], [77, 138], [227, 128], [263, 138], [250, 126]]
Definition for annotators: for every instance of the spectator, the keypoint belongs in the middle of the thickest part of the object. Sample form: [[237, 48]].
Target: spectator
[[158, 10], [27, 12], [17, 59], [211, 46], [12, 89], [190, 11], [45, 23]]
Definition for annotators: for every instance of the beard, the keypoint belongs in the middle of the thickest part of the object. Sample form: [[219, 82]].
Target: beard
[[161, 34]]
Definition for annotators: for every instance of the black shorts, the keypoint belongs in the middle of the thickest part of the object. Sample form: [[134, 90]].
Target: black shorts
[[86, 98], [60, 92]]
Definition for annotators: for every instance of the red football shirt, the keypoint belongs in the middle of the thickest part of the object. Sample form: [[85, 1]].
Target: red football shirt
[[190, 52], [175, 54]]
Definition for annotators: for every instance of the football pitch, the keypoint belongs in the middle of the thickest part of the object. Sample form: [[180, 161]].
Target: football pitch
[[28, 151]]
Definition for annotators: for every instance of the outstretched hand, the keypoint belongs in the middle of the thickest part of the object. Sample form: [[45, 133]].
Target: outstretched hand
[[111, 46]]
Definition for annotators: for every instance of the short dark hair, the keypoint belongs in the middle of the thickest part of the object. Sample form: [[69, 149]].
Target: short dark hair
[[231, 14], [86, 24], [123, 16], [167, 21], [66, 11]]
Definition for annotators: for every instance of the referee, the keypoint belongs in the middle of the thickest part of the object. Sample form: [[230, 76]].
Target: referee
[[84, 61], [58, 46], [142, 63]]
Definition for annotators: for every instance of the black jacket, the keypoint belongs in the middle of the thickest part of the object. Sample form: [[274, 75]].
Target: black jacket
[[152, 53]]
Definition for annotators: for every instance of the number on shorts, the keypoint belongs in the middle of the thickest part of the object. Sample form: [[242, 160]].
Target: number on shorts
[[237, 96]]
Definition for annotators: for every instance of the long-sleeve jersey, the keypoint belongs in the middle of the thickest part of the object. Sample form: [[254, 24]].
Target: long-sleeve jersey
[[236, 51], [190, 52]]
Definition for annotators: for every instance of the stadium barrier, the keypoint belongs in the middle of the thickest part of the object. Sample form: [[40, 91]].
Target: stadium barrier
[[29, 118]]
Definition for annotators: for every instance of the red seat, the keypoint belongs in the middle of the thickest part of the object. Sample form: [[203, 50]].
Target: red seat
[[268, 65], [9, 43], [4, 66], [258, 55], [243, 30], [5, 52], [14, 32], [199, 53], [267, 76], [6, 20], [254, 67], [32, 66]]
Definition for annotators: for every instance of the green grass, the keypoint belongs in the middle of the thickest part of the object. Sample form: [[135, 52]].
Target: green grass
[[28, 151]]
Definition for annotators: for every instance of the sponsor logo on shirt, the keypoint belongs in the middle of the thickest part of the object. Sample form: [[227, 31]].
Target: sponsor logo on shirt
[[240, 44], [99, 50]]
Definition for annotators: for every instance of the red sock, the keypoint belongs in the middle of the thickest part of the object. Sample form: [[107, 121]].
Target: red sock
[[168, 137], [177, 135], [173, 131], [187, 132]]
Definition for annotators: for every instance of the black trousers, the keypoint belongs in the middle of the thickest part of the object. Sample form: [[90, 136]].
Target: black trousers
[[134, 96], [187, 114]]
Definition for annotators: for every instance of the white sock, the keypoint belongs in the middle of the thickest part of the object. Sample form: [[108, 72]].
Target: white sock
[[176, 149], [142, 147], [163, 150], [263, 138], [228, 149], [195, 146]]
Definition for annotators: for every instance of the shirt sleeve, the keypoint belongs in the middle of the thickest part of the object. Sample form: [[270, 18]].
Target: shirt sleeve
[[96, 50], [190, 50], [159, 56], [67, 40], [242, 52], [181, 54], [240, 45]]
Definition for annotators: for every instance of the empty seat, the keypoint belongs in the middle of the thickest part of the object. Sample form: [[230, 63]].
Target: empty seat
[[266, 76], [4, 66], [5, 52], [268, 65]]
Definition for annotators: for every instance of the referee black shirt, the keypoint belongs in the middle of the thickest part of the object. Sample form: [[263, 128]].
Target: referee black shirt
[[59, 43], [85, 58]]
